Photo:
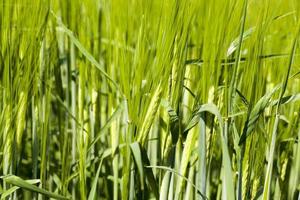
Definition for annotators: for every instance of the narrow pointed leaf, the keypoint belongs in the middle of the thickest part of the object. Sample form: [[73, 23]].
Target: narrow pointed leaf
[[17, 181]]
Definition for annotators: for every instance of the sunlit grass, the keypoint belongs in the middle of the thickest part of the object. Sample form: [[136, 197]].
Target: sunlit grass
[[152, 99]]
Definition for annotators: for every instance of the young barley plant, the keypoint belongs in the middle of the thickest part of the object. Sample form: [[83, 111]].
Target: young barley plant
[[149, 99]]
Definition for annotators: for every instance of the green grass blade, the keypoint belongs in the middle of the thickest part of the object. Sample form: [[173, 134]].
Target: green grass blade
[[84, 51], [228, 188], [180, 175], [17, 181], [14, 188], [137, 155]]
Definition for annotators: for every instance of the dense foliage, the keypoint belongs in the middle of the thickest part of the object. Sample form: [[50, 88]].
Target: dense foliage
[[149, 99]]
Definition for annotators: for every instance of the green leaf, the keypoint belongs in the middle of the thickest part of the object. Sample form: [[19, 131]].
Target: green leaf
[[14, 188], [105, 127], [164, 188], [84, 51], [234, 44], [227, 178], [178, 174], [17, 181], [141, 159], [95, 181], [287, 99], [137, 155], [149, 173]]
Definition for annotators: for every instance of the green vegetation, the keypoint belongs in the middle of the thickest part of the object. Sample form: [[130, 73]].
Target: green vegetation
[[149, 99]]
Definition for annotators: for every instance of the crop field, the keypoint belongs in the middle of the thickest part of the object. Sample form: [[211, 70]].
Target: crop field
[[150, 99]]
